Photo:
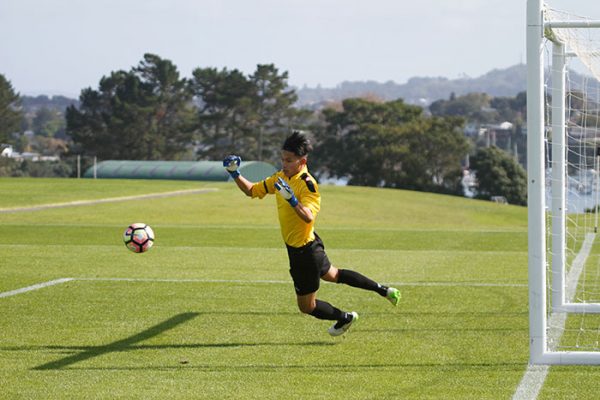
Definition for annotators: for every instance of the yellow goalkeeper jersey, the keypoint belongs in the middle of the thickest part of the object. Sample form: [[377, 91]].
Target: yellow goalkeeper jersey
[[295, 231]]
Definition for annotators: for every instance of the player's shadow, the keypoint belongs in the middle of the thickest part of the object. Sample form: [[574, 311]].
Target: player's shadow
[[119, 345], [131, 343]]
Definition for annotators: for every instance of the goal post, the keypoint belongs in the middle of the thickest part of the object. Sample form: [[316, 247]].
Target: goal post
[[536, 183], [559, 171], [558, 236]]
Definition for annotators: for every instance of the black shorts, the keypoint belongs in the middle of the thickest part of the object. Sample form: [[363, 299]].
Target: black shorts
[[307, 265]]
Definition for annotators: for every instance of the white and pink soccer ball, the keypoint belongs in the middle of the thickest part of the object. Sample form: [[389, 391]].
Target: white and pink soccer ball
[[138, 237]]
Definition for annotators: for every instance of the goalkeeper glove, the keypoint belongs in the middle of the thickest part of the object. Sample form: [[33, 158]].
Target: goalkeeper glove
[[286, 192], [231, 163]]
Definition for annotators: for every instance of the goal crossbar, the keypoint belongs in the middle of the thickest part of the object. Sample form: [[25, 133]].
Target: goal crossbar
[[572, 24]]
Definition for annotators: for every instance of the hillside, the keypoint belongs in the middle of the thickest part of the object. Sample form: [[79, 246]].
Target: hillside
[[422, 90], [505, 82], [56, 103], [417, 90]]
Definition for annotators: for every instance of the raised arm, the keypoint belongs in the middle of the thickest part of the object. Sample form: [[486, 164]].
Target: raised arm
[[232, 164]]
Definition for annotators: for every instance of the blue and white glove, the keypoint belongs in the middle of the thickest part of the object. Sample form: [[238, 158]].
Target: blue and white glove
[[231, 164], [286, 192]]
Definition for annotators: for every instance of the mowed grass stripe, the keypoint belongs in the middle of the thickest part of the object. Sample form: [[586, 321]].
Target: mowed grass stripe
[[266, 227], [342, 207], [251, 282], [233, 281], [77, 203], [22, 192], [277, 249], [211, 236], [47, 262]]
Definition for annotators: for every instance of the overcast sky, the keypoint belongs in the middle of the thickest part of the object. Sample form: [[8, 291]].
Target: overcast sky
[[63, 46]]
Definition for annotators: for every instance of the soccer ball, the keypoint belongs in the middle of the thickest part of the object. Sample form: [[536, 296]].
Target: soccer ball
[[138, 237]]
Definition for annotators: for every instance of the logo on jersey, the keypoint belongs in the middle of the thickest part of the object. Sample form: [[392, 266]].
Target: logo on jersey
[[309, 183]]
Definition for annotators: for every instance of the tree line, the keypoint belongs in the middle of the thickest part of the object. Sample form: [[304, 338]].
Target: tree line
[[151, 112]]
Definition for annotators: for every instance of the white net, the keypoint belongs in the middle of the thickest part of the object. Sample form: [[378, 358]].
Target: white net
[[580, 331]]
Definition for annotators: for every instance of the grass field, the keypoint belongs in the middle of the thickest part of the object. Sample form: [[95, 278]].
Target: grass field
[[210, 312]]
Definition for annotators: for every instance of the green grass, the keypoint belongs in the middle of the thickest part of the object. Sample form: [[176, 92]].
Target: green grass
[[229, 328], [35, 191]]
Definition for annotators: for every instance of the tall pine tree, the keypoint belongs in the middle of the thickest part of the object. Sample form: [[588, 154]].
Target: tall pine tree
[[142, 114], [10, 110]]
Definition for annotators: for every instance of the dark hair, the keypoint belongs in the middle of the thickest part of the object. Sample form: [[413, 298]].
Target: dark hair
[[298, 143]]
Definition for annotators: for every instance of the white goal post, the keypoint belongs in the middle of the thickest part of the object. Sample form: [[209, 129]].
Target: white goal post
[[543, 347]]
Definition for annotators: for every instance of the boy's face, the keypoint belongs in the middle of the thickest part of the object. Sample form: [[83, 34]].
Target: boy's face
[[291, 164]]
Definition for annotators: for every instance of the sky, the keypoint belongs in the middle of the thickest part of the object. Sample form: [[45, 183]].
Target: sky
[[63, 46]]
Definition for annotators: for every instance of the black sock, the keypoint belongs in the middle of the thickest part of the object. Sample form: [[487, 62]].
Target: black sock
[[355, 279], [324, 310]]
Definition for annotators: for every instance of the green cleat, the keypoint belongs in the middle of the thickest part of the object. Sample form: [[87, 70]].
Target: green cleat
[[393, 295]]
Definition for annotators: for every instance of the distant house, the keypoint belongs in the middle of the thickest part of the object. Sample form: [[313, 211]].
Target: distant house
[[6, 150], [499, 135]]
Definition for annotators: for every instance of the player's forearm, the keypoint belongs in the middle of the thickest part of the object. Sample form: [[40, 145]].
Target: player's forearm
[[304, 213], [245, 185]]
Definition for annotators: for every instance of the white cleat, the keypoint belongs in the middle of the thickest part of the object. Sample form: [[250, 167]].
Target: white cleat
[[340, 327]]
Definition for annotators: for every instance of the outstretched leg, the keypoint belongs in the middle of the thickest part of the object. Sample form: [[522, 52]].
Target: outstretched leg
[[358, 280]]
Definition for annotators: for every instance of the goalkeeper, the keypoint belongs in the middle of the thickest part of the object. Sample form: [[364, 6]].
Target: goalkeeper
[[298, 203]]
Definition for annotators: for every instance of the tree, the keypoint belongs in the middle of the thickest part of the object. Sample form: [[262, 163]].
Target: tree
[[437, 149], [170, 109], [498, 174], [142, 114], [391, 144], [273, 110], [48, 123], [510, 108], [252, 113], [472, 106], [224, 99], [343, 131], [10, 111]]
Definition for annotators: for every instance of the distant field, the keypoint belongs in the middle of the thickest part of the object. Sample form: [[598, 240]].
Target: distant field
[[210, 311]]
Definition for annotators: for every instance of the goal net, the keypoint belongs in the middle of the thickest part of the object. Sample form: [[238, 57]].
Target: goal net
[[571, 157]]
